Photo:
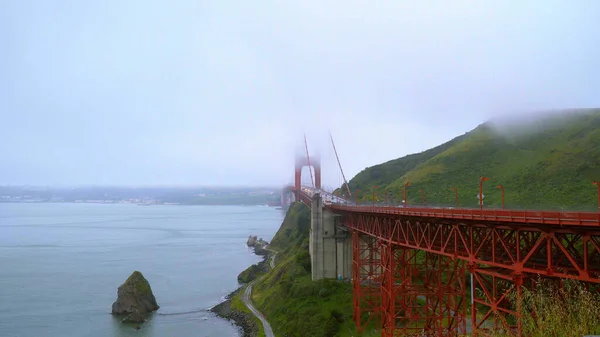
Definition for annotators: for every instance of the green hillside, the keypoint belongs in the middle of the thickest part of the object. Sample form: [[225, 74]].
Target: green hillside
[[548, 162], [293, 304]]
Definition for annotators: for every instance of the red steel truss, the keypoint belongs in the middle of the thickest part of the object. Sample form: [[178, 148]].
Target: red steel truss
[[366, 279], [590, 219], [499, 256], [503, 250], [422, 293]]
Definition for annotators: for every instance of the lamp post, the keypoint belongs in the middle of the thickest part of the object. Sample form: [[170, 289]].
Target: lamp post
[[597, 183], [373, 196], [357, 191], [502, 188], [456, 194], [405, 186], [481, 180], [422, 197]]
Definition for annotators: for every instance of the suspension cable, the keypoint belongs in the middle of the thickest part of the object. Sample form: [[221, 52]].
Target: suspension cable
[[308, 159], [340, 165]]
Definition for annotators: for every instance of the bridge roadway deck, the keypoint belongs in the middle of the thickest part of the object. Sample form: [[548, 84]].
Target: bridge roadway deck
[[580, 219], [499, 216]]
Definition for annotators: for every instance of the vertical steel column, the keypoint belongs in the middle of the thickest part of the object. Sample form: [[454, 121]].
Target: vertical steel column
[[422, 294], [518, 281], [388, 289], [408, 314], [366, 280], [356, 267]]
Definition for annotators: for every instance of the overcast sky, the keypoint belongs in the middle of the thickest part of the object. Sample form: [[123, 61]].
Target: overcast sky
[[194, 92]]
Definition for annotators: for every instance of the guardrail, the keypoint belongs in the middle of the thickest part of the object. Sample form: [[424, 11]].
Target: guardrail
[[586, 219]]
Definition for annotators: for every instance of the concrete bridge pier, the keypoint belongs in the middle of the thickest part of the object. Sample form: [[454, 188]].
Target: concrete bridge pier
[[330, 246]]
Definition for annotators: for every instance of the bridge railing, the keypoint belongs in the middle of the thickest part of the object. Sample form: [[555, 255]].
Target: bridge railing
[[585, 219], [333, 199]]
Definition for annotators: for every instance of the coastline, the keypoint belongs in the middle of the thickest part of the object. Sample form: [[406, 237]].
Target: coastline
[[246, 322], [242, 320]]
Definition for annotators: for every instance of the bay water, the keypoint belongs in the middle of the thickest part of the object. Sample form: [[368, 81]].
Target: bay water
[[61, 264]]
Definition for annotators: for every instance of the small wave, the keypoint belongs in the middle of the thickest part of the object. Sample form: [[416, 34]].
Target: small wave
[[181, 313]]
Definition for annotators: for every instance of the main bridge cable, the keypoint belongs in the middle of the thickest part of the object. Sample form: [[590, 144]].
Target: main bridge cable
[[340, 165], [308, 159]]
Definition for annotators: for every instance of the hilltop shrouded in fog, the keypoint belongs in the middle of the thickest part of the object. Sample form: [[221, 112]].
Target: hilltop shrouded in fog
[[546, 162]]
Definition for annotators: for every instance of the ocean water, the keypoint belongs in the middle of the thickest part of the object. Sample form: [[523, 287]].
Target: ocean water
[[61, 264]]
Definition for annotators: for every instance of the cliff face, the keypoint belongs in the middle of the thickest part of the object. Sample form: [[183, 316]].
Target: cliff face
[[134, 298]]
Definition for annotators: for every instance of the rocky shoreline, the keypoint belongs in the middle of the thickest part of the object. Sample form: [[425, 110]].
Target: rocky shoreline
[[245, 321]]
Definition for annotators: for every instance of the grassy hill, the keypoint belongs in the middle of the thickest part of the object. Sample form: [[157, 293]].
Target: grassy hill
[[546, 162]]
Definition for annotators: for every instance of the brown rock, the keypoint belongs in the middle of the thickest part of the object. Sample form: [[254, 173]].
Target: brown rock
[[134, 297]]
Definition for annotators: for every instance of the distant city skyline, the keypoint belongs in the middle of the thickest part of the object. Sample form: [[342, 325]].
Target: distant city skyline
[[155, 93]]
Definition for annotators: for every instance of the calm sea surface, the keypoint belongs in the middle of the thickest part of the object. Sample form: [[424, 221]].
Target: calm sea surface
[[61, 264]]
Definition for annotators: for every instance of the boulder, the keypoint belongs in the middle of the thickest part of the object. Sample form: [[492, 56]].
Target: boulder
[[134, 298]]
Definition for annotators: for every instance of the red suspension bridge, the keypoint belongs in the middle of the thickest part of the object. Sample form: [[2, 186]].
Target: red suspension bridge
[[409, 265]]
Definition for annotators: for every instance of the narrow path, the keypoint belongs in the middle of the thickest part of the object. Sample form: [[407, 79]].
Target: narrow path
[[248, 302]]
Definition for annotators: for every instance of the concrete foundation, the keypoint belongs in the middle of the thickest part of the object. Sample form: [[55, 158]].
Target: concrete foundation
[[330, 246]]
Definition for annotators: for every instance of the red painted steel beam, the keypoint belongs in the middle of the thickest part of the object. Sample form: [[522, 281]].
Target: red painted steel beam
[[498, 258], [366, 280], [548, 252], [501, 248], [581, 219], [422, 293]]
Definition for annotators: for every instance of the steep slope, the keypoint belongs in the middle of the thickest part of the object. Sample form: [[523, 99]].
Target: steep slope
[[291, 301], [548, 162], [388, 172]]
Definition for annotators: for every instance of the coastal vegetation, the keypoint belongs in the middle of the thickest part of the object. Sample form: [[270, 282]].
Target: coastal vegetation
[[566, 308]]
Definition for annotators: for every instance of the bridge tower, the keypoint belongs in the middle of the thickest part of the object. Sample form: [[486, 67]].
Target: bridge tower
[[302, 162]]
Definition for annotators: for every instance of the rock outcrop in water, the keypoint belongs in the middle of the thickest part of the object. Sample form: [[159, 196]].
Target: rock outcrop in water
[[258, 245], [134, 299]]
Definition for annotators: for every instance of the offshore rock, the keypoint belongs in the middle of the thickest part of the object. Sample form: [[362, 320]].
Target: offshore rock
[[134, 299], [134, 317]]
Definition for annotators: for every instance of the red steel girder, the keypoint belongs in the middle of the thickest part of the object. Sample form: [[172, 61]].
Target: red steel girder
[[585, 219], [550, 251], [304, 198], [423, 294], [491, 310], [366, 279], [499, 257]]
